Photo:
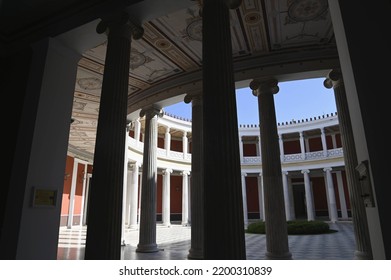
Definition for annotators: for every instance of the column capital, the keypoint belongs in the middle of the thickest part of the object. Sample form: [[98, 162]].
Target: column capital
[[120, 25], [260, 174], [184, 133], [151, 112], [284, 172], [167, 171], [244, 174], [185, 172], [327, 169], [233, 4], [168, 129], [259, 86], [194, 97], [305, 171], [334, 78]]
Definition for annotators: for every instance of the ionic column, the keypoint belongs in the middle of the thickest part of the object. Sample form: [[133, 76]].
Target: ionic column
[[167, 141], [185, 198], [137, 129], [291, 199], [286, 195], [240, 148], [197, 190], [128, 194], [133, 196], [281, 146], [359, 217], [334, 141], [331, 195], [166, 197], [258, 147], [147, 237], [72, 194], [302, 147], [342, 199], [125, 200], [323, 138], [261, 197], [221, 154], [308, 196], [184, 144], [244, 194], [276, 226], [105, 216]]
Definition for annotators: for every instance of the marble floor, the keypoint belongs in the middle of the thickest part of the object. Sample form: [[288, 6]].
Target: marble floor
[[174, 244]]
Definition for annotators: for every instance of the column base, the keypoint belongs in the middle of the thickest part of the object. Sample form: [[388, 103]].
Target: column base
[[147, 248], [275, 256], [359, 255], [166, 224], [195, 254]]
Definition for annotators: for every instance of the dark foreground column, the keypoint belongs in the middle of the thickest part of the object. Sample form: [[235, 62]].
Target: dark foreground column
[[359, 216], [224, 229], [105, 215], [276, 226]]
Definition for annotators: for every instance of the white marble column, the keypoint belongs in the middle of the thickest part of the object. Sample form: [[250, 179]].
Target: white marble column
[[302, 147], [308, 196], [281, 145], [166, 197], [125, 184], [286, 195], [261, 198], [241, 148], [137, 130], [291, 199], [72, 194], [197, 187], [276, 226], [185, 198], [167, 141], [147, 232], [184, 144], [331, 194], [244, 195], [359, 215], [133, 194], [324, 143], [104, 234], [334, 141], [342, 199]]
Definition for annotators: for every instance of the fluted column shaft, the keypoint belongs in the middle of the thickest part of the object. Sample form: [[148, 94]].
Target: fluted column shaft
[[260, 197], [359, 216], [244, 194], [342, 199], [197, 188], [302, 146], [133, 196], [147, 233], [105, 215], [166, 197], [323, 138], [222, 194], [286, 195], [331, 195], [167, 141], [185, 198], [308, 196], [276, 226]]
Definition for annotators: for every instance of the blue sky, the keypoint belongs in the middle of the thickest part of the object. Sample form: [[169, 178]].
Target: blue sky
[[296, 100]]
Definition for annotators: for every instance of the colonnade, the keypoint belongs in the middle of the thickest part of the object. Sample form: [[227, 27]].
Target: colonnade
[[220, 188]]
